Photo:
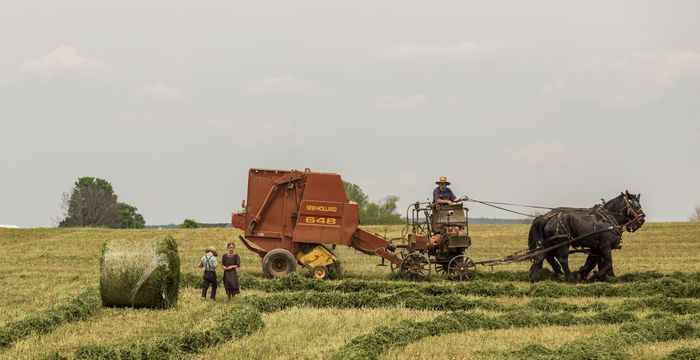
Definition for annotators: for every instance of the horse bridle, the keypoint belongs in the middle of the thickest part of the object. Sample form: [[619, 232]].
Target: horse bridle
[[636, 215]]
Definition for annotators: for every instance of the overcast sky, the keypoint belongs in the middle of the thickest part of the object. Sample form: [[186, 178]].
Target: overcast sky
[[546, 102]]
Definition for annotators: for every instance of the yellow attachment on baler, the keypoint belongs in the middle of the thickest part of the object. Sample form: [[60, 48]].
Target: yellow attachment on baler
[[318, 260], [317, 256]]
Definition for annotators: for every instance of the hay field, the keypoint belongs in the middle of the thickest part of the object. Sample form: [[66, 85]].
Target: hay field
[[48, 306]]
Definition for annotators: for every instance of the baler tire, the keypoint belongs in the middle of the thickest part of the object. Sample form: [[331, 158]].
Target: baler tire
[[278, 263], [320, 272]]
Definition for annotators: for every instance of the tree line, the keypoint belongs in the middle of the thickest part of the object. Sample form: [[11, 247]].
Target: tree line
[[92, 202], [382, 212]]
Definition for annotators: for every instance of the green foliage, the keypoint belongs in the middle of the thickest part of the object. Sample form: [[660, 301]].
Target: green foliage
[[92, 202], [189, 224], [77, 309], [103, 184], [356, 194], [371, 213], [382, 212], [130, 218]]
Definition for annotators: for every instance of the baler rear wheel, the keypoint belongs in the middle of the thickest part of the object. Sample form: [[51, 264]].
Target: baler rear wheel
[[320, 272], [416, 266], [279, 262]]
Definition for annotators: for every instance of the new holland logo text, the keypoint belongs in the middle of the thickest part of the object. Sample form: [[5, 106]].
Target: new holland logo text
[[322, 208]]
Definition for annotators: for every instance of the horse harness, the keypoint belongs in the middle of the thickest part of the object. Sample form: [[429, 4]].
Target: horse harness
[[597, 213]]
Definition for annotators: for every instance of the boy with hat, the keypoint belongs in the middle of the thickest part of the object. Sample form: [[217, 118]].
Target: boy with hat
[[209, 263]]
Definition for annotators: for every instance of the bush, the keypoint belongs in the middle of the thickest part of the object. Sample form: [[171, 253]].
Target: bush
[[189, 224]]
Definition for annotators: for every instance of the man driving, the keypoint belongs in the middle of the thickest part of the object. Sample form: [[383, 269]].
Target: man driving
[[442, 194]]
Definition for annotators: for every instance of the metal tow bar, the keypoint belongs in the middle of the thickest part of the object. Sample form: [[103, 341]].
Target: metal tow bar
[[524, 255]]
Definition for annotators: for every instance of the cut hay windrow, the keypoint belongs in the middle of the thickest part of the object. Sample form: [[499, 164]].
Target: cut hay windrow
[[667, 286], [683, 353], [140, 274], [384, 338], [245, 318], [411, 299], [662, 304], [240, 321], [545, 274], [80, 308], [615, 345]]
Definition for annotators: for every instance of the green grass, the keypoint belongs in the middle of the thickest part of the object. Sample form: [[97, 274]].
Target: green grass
[[658, 283]]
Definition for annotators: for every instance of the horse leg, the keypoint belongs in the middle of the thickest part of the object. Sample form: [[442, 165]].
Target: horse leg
[[610, 271], [554, 264], [607, 261], [588, 266], [563, 257], [535, 268]]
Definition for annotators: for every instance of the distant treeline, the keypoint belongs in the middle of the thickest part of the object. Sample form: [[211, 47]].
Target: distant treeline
[[482, 220], [201, 225]]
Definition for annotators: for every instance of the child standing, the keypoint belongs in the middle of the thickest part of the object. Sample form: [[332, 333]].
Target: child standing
[[209, 263], [230, 262]]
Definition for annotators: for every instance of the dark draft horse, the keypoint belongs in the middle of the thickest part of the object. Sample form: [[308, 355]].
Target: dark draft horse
[[596, 231]]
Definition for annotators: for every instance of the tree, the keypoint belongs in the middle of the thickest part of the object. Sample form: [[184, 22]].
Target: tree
[[189, 224], [382, 212], [696, 215], [92, 202], [356, 194], [130, 219]]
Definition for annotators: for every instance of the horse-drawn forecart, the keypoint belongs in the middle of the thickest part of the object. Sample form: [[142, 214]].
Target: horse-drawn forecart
[[290, 218]]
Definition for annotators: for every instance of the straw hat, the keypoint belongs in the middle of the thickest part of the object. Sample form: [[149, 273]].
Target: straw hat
[[443, 179], [212, 249]]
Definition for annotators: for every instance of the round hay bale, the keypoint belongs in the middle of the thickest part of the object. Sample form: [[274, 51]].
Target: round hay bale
[[140, 274]]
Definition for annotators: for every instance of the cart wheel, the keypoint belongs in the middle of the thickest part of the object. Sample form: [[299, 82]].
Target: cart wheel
[[415, 266], [394, 267], [320, 272], [461, 268], [278, 262], [441, 268]]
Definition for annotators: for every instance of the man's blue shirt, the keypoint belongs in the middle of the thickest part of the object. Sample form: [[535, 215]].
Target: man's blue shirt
[[447, 194]]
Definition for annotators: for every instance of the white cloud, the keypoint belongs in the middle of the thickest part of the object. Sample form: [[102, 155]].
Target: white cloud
[[63, 60], [402, 101], [159, 90], [281, 85], [540, 151], [462, 49]]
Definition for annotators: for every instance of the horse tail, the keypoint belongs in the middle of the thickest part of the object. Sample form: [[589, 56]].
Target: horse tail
[[536, 234]]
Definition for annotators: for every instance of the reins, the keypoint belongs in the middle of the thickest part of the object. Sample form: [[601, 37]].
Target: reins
[[494, 204]]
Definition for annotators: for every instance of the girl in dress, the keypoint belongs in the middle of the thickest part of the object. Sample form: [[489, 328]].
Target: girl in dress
[[230, 262]]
